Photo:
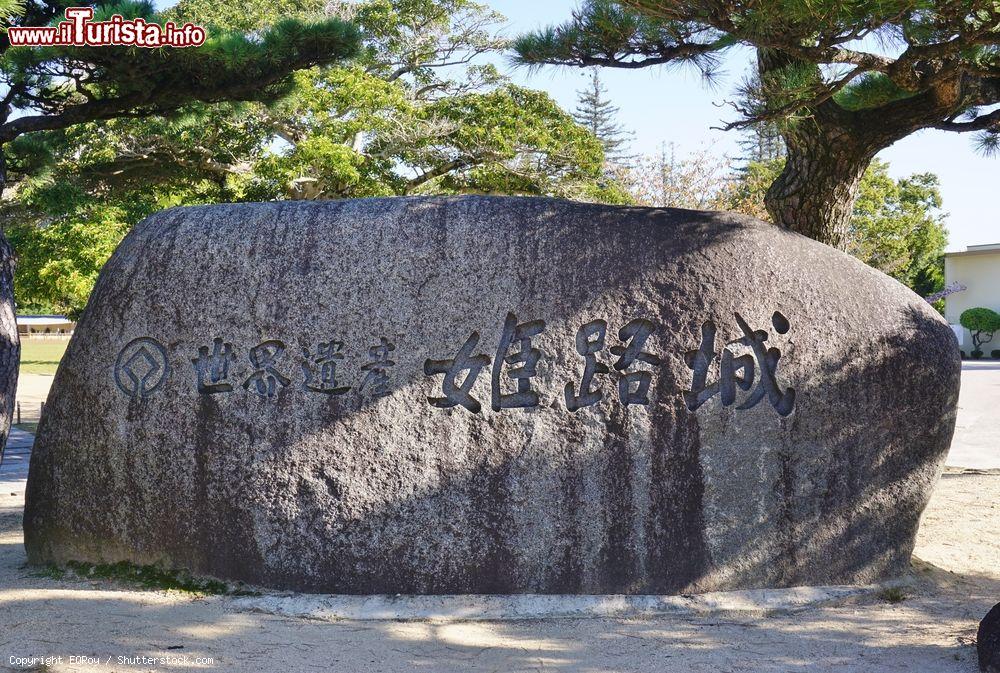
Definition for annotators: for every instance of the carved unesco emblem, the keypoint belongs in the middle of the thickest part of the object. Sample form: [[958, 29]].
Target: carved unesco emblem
[[141, 367]]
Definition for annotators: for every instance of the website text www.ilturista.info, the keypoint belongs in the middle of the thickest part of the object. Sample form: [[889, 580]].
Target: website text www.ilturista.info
[[78, 30]]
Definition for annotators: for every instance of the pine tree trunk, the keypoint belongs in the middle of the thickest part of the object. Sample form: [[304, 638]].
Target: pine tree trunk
[[814, 195], [10, 343]]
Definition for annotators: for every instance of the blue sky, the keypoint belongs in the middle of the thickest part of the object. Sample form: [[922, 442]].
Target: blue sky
[[674, 106]]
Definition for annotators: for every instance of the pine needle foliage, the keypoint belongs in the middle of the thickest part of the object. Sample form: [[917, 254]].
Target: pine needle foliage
[[838, 80], [863, 56], [57, 87]]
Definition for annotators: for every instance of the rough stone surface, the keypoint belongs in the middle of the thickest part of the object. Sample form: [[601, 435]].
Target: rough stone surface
[[988, 641], [152, 451]]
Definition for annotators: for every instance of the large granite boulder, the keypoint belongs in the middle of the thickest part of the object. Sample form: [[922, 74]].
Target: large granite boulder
[[492, 395]]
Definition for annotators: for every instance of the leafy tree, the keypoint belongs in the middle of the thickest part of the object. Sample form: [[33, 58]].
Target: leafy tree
[[700, 180], [413, 114], [597, 114], [506, 139], [843, 80], [52, 89], [418, 114], [896, 226], [982, 323], [59, 263]]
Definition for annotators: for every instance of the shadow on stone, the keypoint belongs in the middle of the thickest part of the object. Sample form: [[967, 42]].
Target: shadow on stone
[[388, 494]]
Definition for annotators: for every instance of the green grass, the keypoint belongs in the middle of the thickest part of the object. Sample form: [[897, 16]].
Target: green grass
[[49, 572], [892, 595], [27, 427], [42, 356], [146, 577]]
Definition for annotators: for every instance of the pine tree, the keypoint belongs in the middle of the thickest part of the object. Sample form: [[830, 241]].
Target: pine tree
[[761, 142], [841, 80], [58, 87], [597, 114]]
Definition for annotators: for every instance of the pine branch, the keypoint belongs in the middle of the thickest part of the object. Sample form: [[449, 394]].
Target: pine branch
[[986, 122], [122, 82]]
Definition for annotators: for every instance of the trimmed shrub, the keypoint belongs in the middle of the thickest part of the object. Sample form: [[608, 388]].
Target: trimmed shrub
[[981, 323]]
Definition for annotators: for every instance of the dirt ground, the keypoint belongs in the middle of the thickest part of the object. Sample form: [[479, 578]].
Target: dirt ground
[[957, 565], [32, 389]]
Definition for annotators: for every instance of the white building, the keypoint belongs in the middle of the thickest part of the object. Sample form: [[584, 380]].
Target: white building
[[978, 269], [53, 326]]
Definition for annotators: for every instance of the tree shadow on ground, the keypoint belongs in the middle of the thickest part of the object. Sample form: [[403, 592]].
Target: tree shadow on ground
[[930, 630]]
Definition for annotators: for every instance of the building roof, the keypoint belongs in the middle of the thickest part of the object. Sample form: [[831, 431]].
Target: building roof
[[992, 248], [43, 320]]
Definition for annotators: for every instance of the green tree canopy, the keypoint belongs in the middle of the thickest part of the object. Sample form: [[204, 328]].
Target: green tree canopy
[[57, 87], [896, 226], [47, 91], [64, 169], [414, 113]]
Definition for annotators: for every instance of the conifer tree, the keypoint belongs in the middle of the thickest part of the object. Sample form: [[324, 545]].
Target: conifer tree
[[599, 116], [762, 142]]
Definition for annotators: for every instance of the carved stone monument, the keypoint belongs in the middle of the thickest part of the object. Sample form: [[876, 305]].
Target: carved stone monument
[[492, 395]]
